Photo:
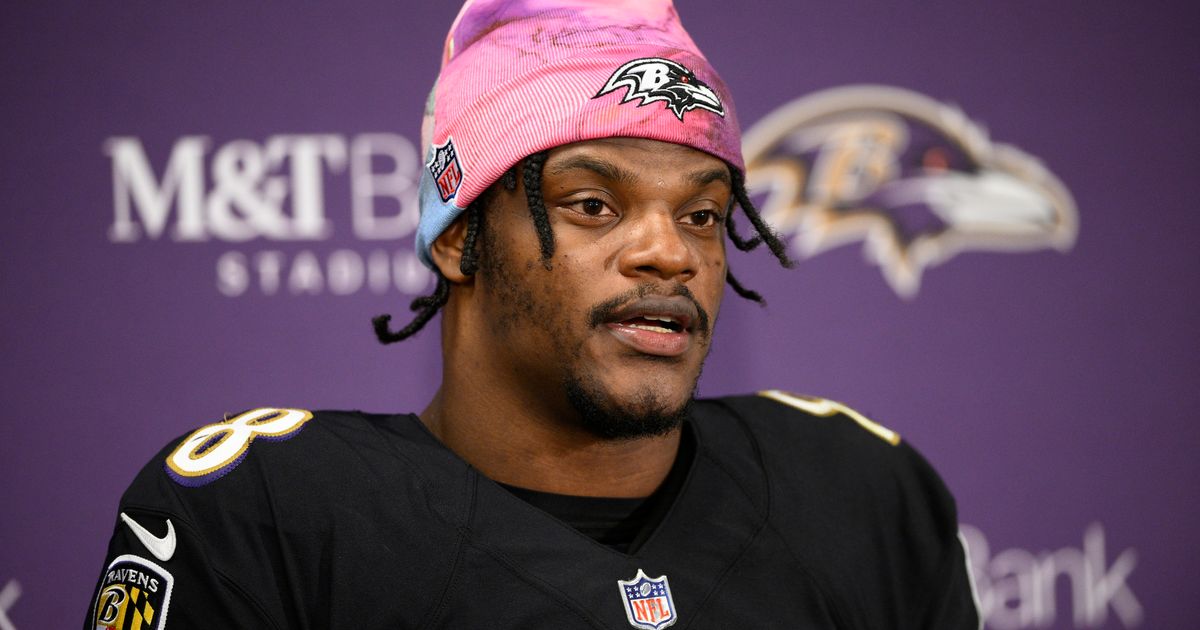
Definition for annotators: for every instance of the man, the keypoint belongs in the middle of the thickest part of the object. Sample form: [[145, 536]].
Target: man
[[583, 164]]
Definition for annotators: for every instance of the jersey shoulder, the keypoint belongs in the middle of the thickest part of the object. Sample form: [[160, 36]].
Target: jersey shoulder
[[244, 441], [243, 515], [214, 450], [824, 408], [857, 506], [832, 451], [784, 413], [289, 453]]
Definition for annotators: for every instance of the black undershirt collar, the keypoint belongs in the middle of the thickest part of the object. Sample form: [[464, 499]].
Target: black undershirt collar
[[620, 523]]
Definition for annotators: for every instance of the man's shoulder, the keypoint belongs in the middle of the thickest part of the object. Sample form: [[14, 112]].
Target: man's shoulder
[[784, 419], [265, 436], [850, 500], [271, 455], [818, 450], [248, 511]]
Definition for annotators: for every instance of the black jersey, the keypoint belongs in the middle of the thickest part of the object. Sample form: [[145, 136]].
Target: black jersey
[[795, 512]]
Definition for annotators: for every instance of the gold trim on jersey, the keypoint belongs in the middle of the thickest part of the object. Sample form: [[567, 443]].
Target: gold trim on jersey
[[825, 408], [216, 446]]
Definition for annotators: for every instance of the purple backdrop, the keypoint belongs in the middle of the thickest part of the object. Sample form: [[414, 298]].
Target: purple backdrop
[[1052, 390]]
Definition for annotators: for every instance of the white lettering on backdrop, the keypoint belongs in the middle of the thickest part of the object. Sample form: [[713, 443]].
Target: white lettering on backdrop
[[276, 191], [1017, 588]]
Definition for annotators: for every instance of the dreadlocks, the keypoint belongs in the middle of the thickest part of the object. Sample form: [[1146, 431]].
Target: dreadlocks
[[428, 306], [531, 175]]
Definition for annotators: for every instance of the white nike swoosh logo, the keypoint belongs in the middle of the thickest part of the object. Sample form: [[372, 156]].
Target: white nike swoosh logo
[[162, 548]]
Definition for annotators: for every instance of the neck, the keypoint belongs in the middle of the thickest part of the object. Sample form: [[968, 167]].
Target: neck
[[510, 428], [513, 444]]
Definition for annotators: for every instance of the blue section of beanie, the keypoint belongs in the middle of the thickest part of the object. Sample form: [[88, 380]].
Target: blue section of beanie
[[436, 216]]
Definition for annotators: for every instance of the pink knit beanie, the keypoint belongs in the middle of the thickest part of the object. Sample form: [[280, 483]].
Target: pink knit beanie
[[522, 76]]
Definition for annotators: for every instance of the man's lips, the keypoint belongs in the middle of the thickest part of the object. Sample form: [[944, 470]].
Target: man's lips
[[655, 325], [677, 312]]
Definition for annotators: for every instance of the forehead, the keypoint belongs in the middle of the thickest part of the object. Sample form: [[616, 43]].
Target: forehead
[[637, 159]]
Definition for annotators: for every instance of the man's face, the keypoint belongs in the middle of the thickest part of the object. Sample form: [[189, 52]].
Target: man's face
[[615, 333]]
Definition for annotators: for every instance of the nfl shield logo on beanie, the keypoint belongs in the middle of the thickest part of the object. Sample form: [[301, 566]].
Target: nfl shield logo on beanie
[[648, 602], [444, 168]]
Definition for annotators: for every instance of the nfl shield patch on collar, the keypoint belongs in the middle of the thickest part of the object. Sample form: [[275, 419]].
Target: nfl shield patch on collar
[[648, 602]]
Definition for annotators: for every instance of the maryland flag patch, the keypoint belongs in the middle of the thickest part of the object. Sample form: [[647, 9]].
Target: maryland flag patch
[[134, 595]]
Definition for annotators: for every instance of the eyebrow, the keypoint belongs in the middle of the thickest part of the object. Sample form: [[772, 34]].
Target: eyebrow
[[614, 172], [704, 178], [600, 167]]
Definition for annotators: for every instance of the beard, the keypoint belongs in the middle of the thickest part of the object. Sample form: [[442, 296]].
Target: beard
[[647, 413], [644, 415]]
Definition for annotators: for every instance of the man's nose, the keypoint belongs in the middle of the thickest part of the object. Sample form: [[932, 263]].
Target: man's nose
[[656, 246]]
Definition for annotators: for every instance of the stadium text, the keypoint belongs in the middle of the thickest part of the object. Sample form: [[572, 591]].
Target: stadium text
[[250, 188], [279, 190], [1017, 587], [341, 272]]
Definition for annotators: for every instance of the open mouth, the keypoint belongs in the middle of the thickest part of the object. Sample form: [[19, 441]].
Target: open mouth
[[654, 323]]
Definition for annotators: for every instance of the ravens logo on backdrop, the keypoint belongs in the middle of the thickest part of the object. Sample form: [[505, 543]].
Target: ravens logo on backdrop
[[914, 179]]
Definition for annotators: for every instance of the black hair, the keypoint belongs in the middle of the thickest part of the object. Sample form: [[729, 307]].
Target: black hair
[[531, 175]]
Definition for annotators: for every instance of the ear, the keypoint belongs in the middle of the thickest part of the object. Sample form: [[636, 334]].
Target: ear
[[447, 250]]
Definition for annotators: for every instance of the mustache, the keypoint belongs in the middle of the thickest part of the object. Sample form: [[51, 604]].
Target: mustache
[[605, 310]]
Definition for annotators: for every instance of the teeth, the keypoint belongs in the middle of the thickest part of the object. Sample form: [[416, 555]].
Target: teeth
[[656, 318], [650, 328]]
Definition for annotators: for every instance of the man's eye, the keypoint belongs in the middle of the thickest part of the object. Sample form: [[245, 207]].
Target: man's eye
[[592, 207], [703, 218]]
